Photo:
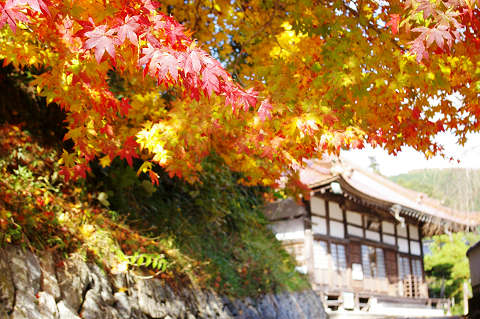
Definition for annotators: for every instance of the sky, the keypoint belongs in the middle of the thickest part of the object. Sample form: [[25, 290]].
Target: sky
[[408, 159]]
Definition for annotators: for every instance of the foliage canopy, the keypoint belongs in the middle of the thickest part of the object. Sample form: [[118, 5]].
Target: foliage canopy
[[320, 76]]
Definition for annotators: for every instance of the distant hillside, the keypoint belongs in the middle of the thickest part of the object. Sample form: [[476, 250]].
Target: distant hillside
[[456, 188]]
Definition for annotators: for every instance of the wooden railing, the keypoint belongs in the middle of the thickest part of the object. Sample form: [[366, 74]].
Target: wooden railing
[[332, 280], [414, 287], [342, 281]]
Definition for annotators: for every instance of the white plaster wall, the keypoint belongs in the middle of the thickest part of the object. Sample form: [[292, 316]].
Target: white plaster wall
[[335, 211], [354, 218], [372, 235], [319, 225], [388, 239], [317, 205], [336, 229], [401, 231], [288, 229], [388, 227], [413, 232], [355, 231]]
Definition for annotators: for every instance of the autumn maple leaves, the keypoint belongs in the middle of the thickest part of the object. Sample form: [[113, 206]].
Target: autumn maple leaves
[[167, 53], [435, 22], [126, 36], [169, 56], [133, 82]]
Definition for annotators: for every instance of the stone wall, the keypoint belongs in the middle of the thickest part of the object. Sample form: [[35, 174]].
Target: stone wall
[[36, 287]]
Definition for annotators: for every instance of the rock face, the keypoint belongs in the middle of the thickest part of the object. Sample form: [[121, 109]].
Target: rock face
[[34, 287]]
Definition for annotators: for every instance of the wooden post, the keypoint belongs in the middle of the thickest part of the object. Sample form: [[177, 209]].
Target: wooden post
[[420, 236], [465, 298], [308, 241]]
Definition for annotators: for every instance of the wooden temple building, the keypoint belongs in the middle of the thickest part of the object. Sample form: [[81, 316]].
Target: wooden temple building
[[359, 237]]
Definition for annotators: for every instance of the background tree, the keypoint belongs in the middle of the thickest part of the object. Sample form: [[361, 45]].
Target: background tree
[[447, 266], [456, 188]]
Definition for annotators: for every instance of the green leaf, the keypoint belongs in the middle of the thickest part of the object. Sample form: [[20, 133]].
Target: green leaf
[[148, 260]]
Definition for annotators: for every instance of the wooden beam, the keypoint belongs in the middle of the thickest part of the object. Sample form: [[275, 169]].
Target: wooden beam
[[329, 239], [420, 235], [327, 215]]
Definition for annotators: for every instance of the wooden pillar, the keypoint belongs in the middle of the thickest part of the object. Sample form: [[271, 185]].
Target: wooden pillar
[[327, 217], [420, 236], [465, 298], [308, 241], [399, 283], [409, 250], [380, 229], [345, 235]]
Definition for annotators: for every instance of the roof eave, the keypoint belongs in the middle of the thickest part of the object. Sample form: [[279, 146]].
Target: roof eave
[[443, 224]]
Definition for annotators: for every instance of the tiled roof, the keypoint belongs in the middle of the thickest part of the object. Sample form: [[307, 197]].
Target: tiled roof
[[284, 209], [374, 188]]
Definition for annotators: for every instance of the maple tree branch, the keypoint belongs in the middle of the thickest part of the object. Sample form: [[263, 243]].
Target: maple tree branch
[[197, 16]]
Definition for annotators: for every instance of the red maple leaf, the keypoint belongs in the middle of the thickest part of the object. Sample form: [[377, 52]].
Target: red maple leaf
[[426, 7], [102, 40], [215, 67], [418, 48], [128, 30], [164, 64], [11, 14], [39, 6], [210, 80], [150, 5], [247, 98], [148, 54], [265, 110], [231, 93], [107, 129], [129, 150], [394, 22], [174, 31], [124, 106], [159, 63], [438, 35], [153, 177], [193, 62]]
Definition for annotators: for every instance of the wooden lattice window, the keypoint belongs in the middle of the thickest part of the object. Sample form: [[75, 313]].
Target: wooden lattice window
[[373, 262], [403, 267], [417, 268], [339, 260]]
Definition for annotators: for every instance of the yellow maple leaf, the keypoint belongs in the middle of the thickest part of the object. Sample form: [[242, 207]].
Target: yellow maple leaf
[[105, 161]]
